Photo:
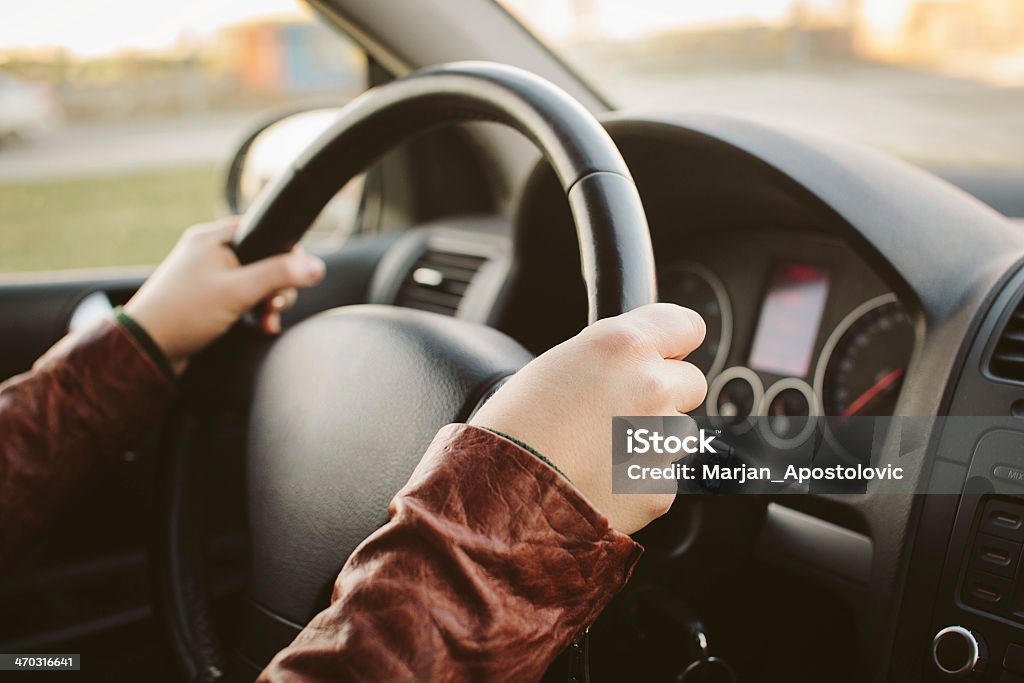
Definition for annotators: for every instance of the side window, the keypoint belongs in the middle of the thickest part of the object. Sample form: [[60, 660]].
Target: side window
[[114, 139]]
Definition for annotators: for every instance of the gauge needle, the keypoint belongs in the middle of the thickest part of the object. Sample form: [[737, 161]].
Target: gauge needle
[[870, 395]]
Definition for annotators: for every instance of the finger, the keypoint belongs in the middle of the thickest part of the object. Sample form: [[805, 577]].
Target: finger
[[220, 231], [681, 426], [674, 331], [689, 386], [283, 300], [270, 321], [262, 279]]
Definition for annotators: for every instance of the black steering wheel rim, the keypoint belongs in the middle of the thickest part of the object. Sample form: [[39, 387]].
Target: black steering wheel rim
[[615, 247], [616, 260]]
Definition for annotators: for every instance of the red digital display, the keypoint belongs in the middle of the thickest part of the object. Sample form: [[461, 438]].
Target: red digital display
[[790, 318]]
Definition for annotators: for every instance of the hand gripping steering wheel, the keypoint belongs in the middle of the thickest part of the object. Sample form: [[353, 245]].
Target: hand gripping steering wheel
[[344, 404]]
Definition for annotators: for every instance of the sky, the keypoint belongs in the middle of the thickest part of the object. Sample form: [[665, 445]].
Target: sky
[[625, 19], [96, 27]]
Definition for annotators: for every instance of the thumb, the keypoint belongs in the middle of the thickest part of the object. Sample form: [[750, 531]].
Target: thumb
[[296, 269]]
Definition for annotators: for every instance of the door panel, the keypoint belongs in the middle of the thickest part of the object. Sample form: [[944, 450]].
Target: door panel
[[34, 313]]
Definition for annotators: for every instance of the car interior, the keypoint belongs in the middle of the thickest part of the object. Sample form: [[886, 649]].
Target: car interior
[[502, 204]]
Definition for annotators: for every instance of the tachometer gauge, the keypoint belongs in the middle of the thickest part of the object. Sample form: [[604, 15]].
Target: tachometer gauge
[[697, 288], [861, 370]]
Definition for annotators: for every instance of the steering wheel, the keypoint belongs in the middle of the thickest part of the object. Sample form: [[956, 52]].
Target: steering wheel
[[344, 404]]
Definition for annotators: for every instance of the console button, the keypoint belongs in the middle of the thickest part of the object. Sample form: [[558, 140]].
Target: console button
[[1003, 519], [996, 555], [958, 651], [1014, 659], [1010, 473], [987, 591]]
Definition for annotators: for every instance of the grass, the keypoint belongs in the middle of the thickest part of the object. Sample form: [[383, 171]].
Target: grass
[[129, 219]]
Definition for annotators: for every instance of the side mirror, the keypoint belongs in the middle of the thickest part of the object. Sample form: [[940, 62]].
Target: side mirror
[[271, 146]]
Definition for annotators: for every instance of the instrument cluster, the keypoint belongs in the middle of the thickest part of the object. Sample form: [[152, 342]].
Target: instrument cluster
[[814, 338]]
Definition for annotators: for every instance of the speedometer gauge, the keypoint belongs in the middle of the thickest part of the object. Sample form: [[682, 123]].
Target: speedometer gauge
[[861, 369], [697, 288]]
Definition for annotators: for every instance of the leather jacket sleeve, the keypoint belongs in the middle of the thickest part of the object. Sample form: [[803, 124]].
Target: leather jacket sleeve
[[490, 565], [59, 422]]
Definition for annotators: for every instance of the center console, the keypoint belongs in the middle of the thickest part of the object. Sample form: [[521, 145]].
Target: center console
[[969, 550]]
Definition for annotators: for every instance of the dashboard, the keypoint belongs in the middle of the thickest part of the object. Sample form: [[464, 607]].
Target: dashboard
[[802, 323], [797, 328]]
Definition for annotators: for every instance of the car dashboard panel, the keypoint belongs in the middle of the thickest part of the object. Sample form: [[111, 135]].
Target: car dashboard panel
[[797, 326]]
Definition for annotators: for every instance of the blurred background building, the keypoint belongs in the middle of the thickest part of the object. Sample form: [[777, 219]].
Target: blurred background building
[[255, 64], [969, 38]]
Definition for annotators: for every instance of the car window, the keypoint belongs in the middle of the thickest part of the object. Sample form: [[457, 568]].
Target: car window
[[938, 82], [116, 135]]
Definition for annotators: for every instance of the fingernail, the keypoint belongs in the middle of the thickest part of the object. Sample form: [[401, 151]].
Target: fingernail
[[278, 302], [315, 267]]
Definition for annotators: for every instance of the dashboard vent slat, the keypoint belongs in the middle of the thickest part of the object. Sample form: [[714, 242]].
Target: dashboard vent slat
[[1014, 336], [1007, 360], [438, 280]]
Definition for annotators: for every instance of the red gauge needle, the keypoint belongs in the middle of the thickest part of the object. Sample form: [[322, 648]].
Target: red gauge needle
[[870, 395]]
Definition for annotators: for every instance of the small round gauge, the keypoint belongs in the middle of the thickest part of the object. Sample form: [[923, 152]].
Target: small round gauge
[[697, 288], [735, 395], [736, 399], [789, 407], [861, 370]]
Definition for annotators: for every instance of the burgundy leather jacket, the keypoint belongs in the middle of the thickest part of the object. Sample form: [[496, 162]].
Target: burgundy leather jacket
[[490, 565]]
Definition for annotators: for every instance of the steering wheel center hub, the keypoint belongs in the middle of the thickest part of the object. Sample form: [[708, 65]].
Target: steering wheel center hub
[[343, 405]]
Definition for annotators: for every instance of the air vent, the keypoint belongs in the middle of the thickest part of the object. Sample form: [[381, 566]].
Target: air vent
[[1008, 358], [438, 281]]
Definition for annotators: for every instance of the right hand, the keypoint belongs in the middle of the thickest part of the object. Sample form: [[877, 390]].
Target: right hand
[[562, 403]]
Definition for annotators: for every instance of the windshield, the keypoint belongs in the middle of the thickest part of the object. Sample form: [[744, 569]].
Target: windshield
[[938, 82]]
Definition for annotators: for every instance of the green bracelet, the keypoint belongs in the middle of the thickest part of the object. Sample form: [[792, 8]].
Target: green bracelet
[[145, 341], [529, 449]]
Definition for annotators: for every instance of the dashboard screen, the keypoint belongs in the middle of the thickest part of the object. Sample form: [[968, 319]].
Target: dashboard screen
[[790, 318]]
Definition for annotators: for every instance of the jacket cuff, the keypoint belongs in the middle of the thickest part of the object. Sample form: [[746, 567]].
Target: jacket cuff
[[586, 561], [112, 375], [530, 449]]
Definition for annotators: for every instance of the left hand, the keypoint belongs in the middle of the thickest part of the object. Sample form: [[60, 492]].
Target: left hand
[[200, 290]]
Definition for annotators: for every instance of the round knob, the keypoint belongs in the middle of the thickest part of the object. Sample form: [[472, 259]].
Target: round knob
[[958, 651]]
